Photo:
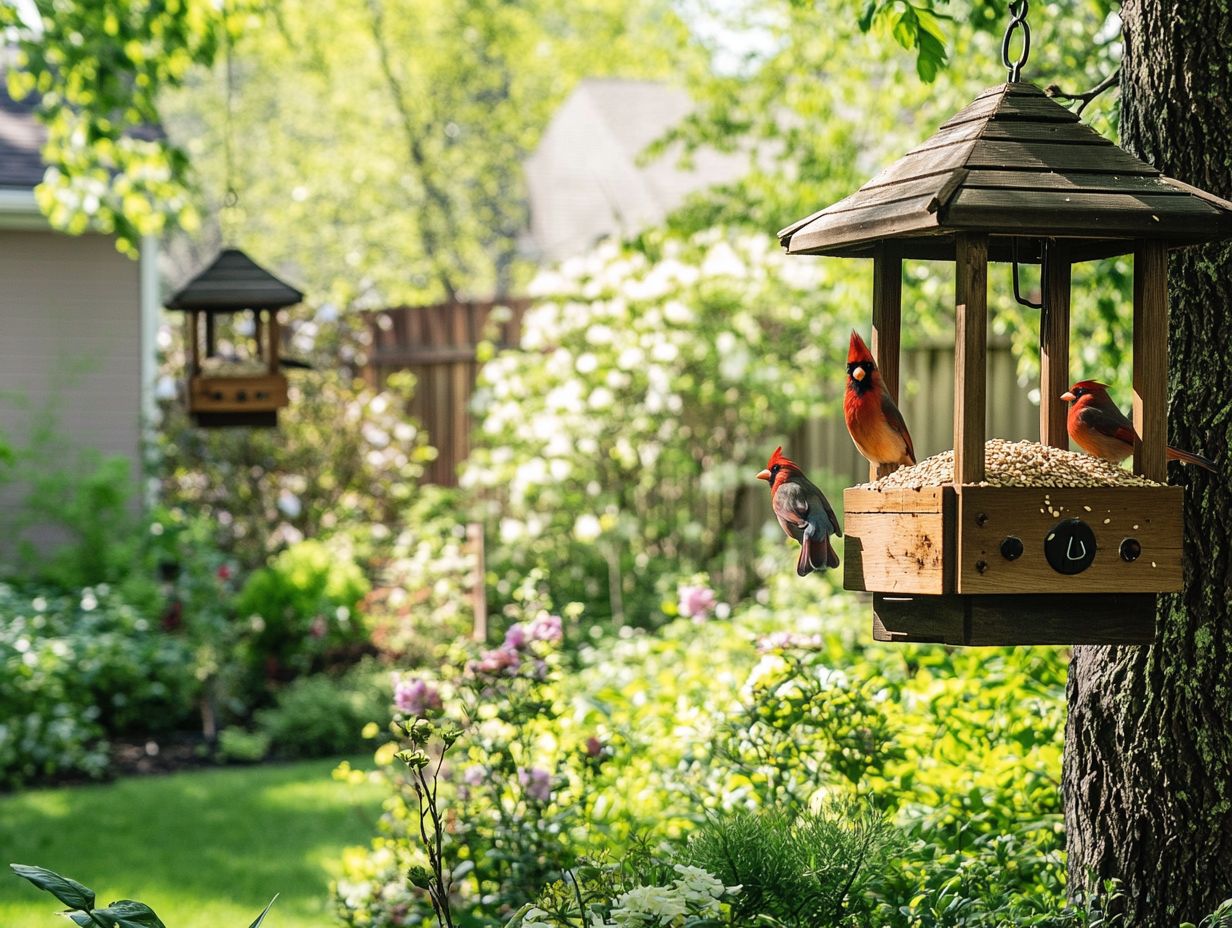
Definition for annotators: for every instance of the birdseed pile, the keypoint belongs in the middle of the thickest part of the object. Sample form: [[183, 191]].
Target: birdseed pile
[[1017, 464]]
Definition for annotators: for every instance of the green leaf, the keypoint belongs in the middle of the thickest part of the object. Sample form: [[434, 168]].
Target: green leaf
[[124, 913], [866, 17], [264, 912], [70, 892]]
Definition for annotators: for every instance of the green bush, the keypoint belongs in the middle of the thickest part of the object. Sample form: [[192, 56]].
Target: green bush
[[75, 669], [302, 609], [244, 747], [320, 716]]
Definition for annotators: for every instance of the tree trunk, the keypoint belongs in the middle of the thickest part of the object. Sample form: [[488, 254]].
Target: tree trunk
[[1148, 753]]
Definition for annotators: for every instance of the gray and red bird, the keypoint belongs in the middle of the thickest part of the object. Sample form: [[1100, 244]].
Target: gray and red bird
[[804, 513], [875, 424], [1098, 427]]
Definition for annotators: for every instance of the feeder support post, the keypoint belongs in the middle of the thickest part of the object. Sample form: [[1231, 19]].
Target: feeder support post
[[194, 347], [970, 350], [274, 342], [1054, 346], [1151, 360], [887, 329]]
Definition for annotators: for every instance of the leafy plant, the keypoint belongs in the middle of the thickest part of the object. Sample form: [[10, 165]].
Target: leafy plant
[[807, 871], [83, 911], [301, 609], [319, 716]]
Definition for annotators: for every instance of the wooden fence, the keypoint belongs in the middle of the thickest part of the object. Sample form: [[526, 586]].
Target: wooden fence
[[438, 345]]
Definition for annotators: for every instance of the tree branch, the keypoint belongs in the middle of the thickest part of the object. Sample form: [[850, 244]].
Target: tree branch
[[1086, 96], [434, 243]]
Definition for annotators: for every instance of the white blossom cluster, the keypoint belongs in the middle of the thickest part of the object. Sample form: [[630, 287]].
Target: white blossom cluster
[[641, 372], [693, 894]]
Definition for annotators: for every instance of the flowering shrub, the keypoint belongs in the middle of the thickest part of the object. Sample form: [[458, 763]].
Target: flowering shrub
[[343, 458], [75, 669], [477, 740], [616, 444], [614, 897]]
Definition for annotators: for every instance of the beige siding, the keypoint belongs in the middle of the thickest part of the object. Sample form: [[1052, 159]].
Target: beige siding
[[70, 347]]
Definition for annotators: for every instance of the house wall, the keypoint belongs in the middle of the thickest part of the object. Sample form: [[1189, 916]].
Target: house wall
[[70, 352]]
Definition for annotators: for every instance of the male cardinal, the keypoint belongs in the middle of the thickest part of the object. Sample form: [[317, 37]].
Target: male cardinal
[[803, 512], [875, 424], [1099, 428]]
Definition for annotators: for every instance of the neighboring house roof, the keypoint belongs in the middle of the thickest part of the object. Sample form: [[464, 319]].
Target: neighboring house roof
[[21, 142], [585, 181]]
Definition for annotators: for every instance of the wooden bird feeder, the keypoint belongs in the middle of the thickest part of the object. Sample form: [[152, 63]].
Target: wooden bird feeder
[[234, 391], [1017, 177]]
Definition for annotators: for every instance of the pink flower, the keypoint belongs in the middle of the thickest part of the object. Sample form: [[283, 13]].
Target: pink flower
[[516, 637], [536, 783], [696, 602], [416, 697], [496, 661], [224, 572], [319, 627], [474, 775], [547, 628], [594, 747]]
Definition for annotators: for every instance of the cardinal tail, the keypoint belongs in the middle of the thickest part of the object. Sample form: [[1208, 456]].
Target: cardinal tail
[[832, 555], [1175, 454], [804, 564]]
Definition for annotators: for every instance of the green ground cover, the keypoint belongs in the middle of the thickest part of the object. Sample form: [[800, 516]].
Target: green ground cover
[[204, 849]]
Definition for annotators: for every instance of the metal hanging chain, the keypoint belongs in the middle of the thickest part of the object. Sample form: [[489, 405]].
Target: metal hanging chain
[[1018, 19]]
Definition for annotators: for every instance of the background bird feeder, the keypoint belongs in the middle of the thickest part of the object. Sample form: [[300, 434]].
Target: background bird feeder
[[232, 390], [1015, 177]]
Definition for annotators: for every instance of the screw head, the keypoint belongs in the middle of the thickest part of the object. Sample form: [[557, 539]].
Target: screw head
[[1131, 550], [1011, 547]]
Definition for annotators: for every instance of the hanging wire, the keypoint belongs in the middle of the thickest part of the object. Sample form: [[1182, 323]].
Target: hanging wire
[[1022, 300], [1018, 19], [231, 198]]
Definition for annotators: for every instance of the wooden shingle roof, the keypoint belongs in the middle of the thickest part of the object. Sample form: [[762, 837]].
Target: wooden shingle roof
[[1013, 163], [234, 282]]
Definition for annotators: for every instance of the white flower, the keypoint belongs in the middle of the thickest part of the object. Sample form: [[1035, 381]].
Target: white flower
[[661, 903], [587, 528]]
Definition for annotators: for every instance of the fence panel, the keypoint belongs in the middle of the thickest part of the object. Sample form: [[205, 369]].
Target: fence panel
[[438, 344]]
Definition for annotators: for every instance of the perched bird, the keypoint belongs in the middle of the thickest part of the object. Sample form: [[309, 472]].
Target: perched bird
[[875, 424], [803, 512], [1099, 428]]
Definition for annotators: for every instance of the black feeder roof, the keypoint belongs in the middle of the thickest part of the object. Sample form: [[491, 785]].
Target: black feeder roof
[[1014, 163], [232, 283]]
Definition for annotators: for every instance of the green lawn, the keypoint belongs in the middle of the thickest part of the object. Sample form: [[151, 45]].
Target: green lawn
[[203, 849]]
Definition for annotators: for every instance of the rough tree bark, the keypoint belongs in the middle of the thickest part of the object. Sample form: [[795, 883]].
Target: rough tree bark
[[1148, 754]]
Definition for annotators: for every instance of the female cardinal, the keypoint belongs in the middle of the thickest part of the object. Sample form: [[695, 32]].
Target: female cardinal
[[1099, 428], [803, 512], [875, 424]]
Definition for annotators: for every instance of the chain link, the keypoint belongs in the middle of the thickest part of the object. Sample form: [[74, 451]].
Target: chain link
[[1018, 19]]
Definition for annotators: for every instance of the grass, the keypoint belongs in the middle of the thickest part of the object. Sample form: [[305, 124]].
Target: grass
[[203, 849]]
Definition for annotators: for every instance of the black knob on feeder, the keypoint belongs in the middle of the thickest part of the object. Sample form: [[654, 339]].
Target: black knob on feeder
[[1070, 546], [1011, 548]]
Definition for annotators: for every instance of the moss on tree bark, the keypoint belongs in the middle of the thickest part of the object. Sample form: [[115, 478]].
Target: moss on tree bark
[[1148, 755]]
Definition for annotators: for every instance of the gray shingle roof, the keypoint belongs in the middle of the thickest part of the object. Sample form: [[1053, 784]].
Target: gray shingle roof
[[21, 140], [1013, 163]]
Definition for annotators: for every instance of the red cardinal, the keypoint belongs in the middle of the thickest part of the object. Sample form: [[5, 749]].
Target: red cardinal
[[875, 424], [803, 512], [1099, 428]]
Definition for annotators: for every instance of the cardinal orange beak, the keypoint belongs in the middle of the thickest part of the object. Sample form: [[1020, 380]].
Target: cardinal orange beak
[[764, 475], [859, 373], [1068, 397]]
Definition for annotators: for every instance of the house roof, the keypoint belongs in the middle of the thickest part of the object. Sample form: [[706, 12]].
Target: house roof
[[585, 180], [21, 142], [231, 283], [1014, 163]]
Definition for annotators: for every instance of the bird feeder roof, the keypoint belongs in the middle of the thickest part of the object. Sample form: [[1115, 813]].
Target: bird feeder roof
[[232, 283], [1013, 163]]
